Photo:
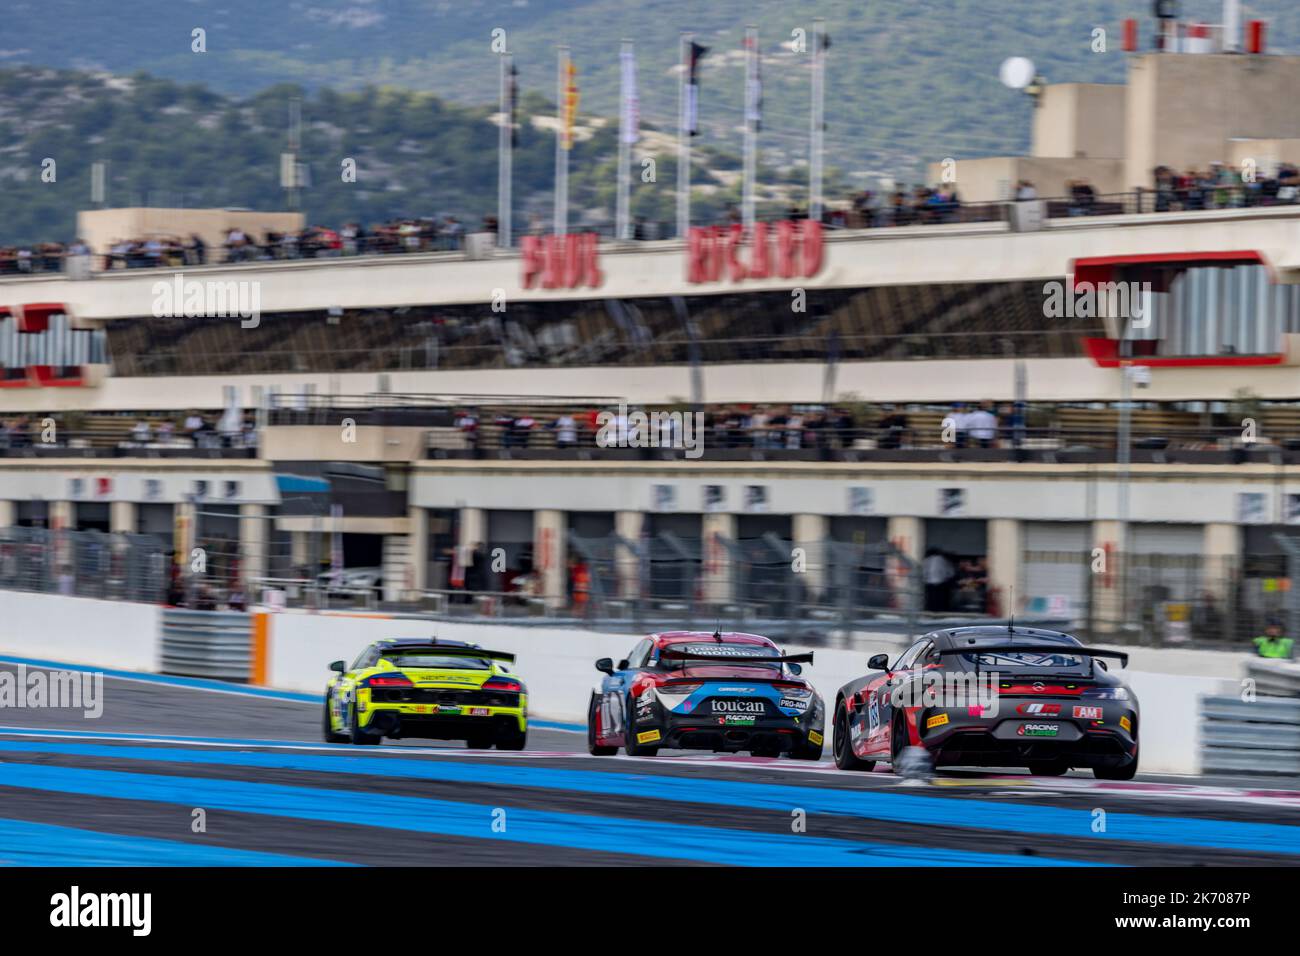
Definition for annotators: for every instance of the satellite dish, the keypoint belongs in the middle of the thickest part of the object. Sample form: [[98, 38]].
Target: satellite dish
[[1016, 72]]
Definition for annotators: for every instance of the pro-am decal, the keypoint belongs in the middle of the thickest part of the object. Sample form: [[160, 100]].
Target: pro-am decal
[[1088, 713], [793, 703]]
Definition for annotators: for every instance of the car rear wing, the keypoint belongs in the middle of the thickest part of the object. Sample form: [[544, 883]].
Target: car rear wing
[[452, 650], [1064, 649], [668, 654]]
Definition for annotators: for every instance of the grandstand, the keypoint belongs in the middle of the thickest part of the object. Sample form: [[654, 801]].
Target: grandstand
[[412, 414]]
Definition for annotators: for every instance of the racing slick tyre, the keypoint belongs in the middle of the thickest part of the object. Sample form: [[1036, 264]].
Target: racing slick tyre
[[630, 745], [593, 715], [1124, 772], [512, 739], [331, 736], [355, 734], [1049, 768], [842, 746]]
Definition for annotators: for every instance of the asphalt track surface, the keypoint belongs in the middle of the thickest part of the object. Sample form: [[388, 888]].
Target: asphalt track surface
[[125, 789]]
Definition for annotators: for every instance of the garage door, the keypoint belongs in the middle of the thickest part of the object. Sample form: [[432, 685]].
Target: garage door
[[1056, 566], [1166, 562]]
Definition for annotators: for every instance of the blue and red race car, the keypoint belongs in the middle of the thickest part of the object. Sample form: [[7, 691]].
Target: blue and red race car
[[702, 691], [992, 696]]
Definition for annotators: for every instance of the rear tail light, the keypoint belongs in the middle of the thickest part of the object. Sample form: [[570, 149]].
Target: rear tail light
[[798, 691], [388, 680], [507, 684], [681, 687], [1106, 693]]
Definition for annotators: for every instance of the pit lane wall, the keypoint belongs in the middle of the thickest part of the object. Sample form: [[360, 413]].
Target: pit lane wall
[[293, 650], [115, 635]]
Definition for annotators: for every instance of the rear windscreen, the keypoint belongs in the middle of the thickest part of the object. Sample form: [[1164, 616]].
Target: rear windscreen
[[443, 662], [1027, 660], [723, 654]]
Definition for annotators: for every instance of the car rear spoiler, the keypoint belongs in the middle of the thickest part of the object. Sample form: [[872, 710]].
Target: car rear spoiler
[[671, 655], [458, 650], [1076, 650]]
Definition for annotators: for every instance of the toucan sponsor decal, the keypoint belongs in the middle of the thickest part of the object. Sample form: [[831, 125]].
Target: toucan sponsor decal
[[738, 707]]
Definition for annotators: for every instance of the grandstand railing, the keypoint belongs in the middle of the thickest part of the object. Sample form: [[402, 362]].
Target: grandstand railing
[[916, 212]]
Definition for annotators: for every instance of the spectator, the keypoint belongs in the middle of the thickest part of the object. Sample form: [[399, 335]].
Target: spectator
[[982, 425], [467, 425], [1082, 198], [892, 427], [955, 425], [937, 574], [1272, 644], [1025, 191], [566, 431]]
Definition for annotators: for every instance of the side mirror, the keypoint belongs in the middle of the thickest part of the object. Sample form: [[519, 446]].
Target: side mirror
[[878, 662], [795, 669], [339, 666], [622, 665], [605, 665]]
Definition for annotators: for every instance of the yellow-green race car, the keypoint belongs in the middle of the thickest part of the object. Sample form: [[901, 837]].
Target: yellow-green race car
[[438, 690]]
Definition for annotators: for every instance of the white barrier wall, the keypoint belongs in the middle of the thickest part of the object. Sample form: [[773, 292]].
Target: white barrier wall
[[557, 664], [111, 634]]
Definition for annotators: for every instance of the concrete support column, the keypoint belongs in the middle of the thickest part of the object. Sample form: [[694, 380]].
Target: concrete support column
[[417, 551], [63, 516], [252, 543], [183, 532], [8, 514], [471, 530], [122, 517], [718, 586], [550, 553], [300, 550], [1107, 594], [1004, 556], [907, 535], [809, 533], [629, 525], [1222, 551]]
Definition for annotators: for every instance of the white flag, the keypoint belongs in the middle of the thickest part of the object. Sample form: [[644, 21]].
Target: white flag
[[631, 118]]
